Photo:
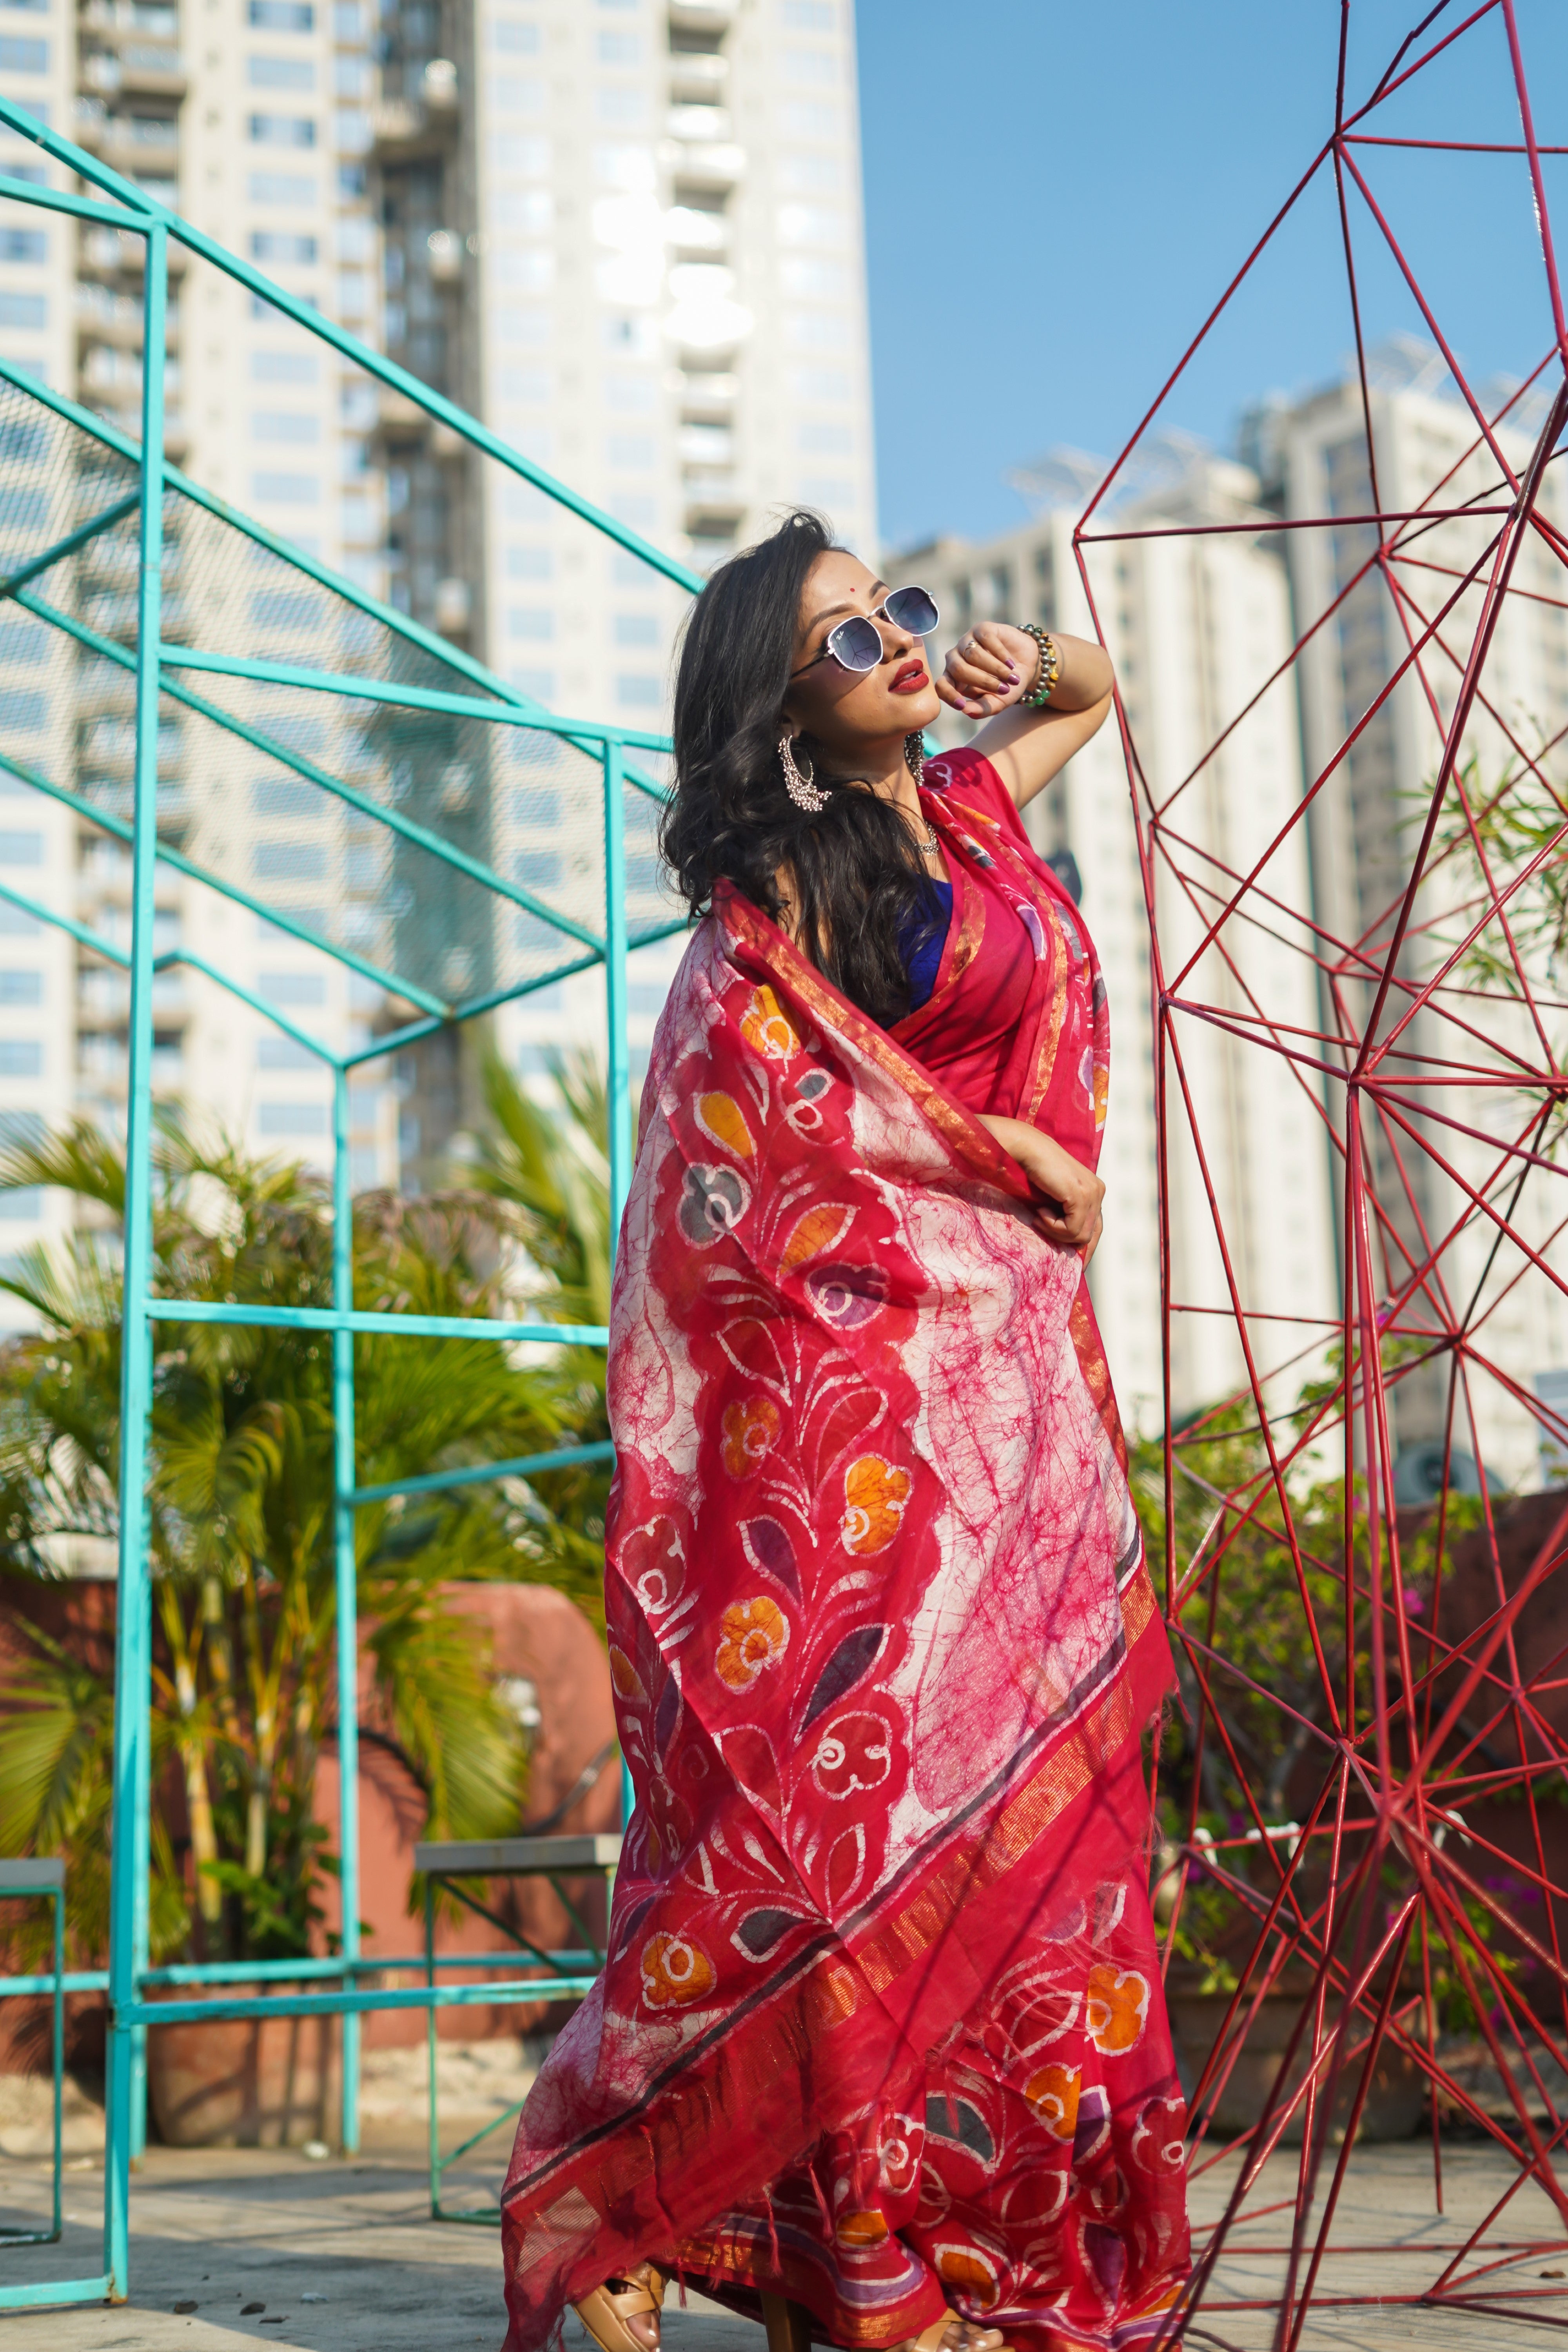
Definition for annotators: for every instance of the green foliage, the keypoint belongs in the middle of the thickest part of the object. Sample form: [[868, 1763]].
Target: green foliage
[[1457, 2012], [1258, 1563], [1245, 1601], [241, 1520], [1512, 826], [1255, 1574], [1508, 839], [553, 1173]]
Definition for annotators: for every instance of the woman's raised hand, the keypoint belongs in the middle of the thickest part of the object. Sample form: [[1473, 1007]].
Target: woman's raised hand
[[1071, 1213], [990, 669]]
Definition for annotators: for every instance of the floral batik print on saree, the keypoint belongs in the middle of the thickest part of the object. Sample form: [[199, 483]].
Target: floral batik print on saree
[[881, 2005], [1039, 2179]]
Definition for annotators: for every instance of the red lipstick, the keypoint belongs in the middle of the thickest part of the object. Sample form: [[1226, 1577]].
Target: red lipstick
[[911, 677]]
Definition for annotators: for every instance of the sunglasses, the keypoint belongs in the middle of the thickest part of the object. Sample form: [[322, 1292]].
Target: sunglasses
[[857, 642]]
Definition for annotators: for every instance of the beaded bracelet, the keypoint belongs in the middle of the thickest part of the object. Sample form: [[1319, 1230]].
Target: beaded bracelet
[[1050, 671]]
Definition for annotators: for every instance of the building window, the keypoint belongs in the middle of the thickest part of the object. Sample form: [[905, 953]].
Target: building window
[[281, 73], [285, 424], [282, 130], [282, 15], [530, 562], [297, 188], [285, 1054], [298, 988], [284, 367], [291, 1118], [622, 104], [287, 489], [281, 245]]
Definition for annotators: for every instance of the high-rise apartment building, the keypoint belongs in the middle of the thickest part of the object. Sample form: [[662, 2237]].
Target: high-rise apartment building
[[672, 316], [626, 234], [1196, 625], [1430, 454], [251, 118]]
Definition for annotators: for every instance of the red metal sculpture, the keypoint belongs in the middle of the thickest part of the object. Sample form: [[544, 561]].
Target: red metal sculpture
[[1363, 1800]]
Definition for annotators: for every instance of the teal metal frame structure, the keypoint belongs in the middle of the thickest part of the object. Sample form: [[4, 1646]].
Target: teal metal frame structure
[[169, 672]]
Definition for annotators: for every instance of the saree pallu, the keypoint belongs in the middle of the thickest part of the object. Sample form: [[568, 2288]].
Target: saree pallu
[[880, 2022]]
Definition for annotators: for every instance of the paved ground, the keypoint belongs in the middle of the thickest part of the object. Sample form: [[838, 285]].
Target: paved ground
[[343, 2257]]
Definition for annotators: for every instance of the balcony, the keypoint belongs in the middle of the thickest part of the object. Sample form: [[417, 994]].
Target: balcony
[[700, 75], [398, 418], [103, 1002], [713, 487], [704, 122], [693, 229], [102, 1060], [705, 446], [704, 162], [420, 121], [116, 370], [109, 251], [454, 608], [138, 69], [708, 395], [713, 513], [701, 16], [397, 123], [151, 141], [107, 317]]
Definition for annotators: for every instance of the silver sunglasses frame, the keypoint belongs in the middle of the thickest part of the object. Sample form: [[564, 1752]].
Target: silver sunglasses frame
[[830, 650]]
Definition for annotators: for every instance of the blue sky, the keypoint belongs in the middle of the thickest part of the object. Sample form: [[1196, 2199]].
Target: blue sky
[[1056, 196]]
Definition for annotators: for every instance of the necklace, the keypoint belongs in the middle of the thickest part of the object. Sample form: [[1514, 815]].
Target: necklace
[[927, 847]]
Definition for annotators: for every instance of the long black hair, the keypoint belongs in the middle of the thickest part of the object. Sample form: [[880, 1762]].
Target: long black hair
[[858, 884]]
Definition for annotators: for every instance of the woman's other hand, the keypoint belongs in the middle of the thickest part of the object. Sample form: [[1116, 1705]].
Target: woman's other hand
[[1071, 1211], [990, 669]]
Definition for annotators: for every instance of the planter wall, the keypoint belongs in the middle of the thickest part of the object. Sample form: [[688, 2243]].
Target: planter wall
[[245, 2082], [1396, 2104]]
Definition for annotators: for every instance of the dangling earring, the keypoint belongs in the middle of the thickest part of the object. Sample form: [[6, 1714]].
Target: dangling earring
[[915, 756], [801, 789]]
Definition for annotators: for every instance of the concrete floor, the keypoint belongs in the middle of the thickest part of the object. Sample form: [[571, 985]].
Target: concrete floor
[[343, 2257]]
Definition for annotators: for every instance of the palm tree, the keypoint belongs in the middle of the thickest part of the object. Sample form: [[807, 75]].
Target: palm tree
[[550, 1169], [240, 1522]]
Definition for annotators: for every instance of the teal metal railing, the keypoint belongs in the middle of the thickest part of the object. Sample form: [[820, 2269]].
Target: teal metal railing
[[166, 672]]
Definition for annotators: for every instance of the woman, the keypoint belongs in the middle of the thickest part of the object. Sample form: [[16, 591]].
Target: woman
[[880, 2053]]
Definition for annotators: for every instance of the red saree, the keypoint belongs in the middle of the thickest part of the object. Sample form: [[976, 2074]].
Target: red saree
[[880, 2026]]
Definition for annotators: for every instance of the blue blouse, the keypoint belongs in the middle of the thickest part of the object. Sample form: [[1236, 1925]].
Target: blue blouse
[[922, 956]]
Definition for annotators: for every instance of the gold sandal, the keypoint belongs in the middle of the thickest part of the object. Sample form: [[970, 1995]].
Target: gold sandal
[[605, 2313], [789, 2328], [931, 2339]]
